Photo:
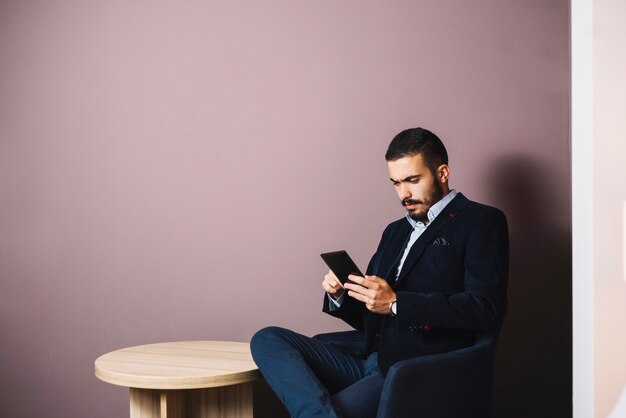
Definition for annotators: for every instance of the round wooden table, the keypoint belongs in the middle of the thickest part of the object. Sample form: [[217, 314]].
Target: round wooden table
[[195, 379]]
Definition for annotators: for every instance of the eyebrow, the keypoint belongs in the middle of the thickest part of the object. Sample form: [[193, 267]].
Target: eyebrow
[[409, 178]]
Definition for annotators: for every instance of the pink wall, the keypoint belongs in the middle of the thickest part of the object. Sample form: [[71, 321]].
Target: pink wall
[[172, 170]]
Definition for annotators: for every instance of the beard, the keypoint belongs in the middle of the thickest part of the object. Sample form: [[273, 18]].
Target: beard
[[434, 195]]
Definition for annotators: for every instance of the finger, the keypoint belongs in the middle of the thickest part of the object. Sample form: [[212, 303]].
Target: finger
[[358, 289], [357, 279], [336, 284], [332, 289], [330, 279], [375, 279], [352, 286], [358, 296], [333, 279], [376, 282]]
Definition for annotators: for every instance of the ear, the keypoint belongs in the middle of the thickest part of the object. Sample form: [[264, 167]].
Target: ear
[[442, 173]]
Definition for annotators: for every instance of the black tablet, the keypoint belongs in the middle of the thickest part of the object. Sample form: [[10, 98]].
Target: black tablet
[[341, 264]]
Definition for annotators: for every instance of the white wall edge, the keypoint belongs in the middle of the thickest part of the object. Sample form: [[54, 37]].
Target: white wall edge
[[582, 207]]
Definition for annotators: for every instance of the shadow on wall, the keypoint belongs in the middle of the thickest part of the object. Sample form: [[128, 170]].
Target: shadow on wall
[[533, 376]]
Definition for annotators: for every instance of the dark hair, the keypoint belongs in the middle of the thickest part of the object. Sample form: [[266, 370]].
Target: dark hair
[[418, 141]]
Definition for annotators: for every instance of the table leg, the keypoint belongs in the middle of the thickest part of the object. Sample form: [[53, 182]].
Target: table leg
[[233, 401], [151, 403], [145, 403]]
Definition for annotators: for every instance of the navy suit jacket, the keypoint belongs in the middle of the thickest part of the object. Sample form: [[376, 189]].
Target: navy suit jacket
[[452, 284]]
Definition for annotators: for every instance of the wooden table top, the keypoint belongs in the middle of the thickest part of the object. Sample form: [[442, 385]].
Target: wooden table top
[[178, 365]]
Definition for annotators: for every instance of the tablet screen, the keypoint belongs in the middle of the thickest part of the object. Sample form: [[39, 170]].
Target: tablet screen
[[341, 264]]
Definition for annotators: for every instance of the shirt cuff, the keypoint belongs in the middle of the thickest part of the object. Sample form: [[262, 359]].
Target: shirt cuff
[[335, 303]]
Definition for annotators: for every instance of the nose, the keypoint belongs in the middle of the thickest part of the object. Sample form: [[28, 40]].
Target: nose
[[403, 191]]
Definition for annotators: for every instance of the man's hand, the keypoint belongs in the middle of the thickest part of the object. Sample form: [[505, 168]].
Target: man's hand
[[332, 285], [373, 291]]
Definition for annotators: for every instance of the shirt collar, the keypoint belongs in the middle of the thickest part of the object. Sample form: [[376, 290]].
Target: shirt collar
[[434, 210]]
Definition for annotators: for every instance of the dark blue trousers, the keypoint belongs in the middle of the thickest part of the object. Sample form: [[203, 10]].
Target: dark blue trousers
[[314, 378]]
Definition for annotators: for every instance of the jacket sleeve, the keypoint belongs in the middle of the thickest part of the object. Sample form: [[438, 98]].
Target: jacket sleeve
[[351, 310]]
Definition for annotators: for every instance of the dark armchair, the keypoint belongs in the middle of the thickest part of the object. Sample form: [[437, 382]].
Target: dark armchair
[[447, 385]]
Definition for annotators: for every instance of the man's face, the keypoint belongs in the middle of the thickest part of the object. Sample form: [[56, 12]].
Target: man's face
[[417, 187]]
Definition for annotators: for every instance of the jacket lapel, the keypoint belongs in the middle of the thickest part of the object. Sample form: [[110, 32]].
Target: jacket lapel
[[393, 252], [452, 209]]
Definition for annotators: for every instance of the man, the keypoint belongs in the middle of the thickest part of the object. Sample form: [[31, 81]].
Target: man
[[439, 275]]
